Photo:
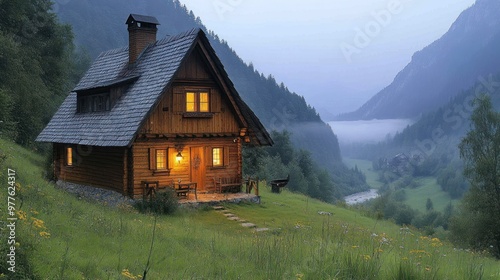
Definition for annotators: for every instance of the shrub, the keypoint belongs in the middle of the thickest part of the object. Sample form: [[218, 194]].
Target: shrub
[[165, 202]]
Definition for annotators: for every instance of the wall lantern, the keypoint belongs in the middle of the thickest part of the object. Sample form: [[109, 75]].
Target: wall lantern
[[179, 148], [178, 157]]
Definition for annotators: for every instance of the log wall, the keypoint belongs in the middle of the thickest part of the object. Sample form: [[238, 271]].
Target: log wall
[[95, 166]]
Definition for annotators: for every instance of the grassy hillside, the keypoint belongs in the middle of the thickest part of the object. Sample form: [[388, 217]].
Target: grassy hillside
[[428, 188], [64, 237]]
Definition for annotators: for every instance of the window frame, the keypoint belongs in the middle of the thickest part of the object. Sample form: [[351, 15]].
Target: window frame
[[197, 101], [92, 103], [225, 160], [167, 161], [163, 162], [220, 157]]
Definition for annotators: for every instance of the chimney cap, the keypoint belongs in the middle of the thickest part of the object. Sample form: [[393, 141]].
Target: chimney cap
[[142, 19]]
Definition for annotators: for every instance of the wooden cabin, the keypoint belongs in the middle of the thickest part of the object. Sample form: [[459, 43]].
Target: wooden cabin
[[156, 111]]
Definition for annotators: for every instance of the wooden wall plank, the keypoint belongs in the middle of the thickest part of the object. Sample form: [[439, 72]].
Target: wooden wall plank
[[95, 166]]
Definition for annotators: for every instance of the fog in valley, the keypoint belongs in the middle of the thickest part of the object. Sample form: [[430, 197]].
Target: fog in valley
[[372, 131]]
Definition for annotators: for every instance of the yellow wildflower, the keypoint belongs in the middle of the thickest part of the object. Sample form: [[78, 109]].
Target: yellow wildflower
[[37, 223], [129, 275], [45, 234], [21, 215], [417, 252], [435, 242], [355, 247], [367, 257]]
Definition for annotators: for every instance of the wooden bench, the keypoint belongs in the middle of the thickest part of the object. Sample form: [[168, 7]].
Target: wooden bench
[[182, 190], [231, 184]]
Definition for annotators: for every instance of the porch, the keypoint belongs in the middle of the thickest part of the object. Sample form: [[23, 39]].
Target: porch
[[228, 190], [112, 198]]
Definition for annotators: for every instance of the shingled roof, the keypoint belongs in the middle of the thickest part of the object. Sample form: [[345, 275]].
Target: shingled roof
[[154, 71]]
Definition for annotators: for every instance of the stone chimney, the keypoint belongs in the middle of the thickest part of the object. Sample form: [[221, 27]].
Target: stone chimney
[[141, 32]]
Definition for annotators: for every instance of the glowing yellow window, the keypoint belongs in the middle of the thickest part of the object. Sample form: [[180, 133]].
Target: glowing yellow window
[[69, 156], [190, 102], [161, 159], [217, 157], [204, 102]]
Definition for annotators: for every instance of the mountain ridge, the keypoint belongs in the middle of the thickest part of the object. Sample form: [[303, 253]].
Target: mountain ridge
[[442, 69]]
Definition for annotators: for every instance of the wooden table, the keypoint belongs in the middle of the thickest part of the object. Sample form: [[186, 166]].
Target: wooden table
[[183, 188], [149, 188]]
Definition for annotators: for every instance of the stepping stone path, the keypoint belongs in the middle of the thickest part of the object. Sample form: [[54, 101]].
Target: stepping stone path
[[230, 216]]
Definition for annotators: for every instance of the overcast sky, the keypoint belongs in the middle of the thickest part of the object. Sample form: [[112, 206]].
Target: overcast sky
[[336, 53]]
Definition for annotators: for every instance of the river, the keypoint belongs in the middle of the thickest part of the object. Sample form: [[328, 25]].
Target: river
[[361, 197]]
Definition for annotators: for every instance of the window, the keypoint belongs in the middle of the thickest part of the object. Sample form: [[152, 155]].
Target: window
[[161, 159], [203, 102], [217, 158], [70, 156], [197, 102], [94, 103], [190, 102]]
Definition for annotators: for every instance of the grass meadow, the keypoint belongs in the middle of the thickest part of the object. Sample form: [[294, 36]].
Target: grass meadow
[[62, 237], [366, 167], [415, 198], [428, 188]]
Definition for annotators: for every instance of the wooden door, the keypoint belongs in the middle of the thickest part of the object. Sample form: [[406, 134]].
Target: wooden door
[[198, 167]]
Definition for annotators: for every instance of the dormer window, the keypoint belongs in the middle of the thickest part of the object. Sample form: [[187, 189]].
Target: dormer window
[[197, 102], [94, 103]]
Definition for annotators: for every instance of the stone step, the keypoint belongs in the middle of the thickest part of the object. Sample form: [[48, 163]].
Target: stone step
[[229, 215], [248, 225], [218, 208], [261, 229], [234, 218]]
